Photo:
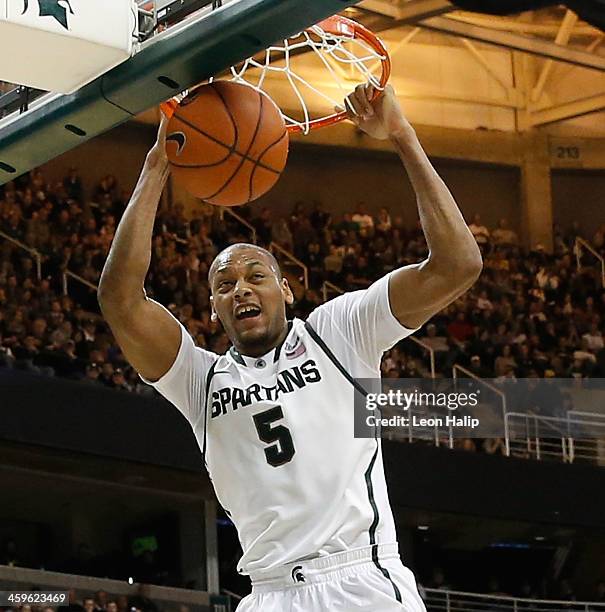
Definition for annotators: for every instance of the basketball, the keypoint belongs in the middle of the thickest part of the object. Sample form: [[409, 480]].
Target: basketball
[[227, 144]]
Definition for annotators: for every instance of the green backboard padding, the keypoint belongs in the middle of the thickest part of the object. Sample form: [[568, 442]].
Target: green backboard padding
[[210, 45]]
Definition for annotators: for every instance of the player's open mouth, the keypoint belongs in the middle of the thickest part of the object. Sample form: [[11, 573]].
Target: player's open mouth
[[247, 312]]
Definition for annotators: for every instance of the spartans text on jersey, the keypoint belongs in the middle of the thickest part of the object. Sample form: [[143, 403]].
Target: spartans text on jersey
[[288, 381]]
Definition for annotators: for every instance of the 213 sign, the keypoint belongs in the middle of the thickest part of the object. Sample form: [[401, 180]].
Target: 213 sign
[[57, 9], [569, 153]]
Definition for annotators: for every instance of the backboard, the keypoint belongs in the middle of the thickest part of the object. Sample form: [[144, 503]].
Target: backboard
[[202, 45]]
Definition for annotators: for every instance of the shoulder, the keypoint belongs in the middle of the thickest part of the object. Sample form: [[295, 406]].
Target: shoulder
[[191, 362], [335, 305]]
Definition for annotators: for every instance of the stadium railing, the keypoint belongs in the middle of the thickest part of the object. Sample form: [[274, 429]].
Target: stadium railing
[[431, 352], [468, 374], [292, 261], [530, 436], [566, 439], [33, 252], [437, 600], [233, 596], [223, 210], [437, 434], [583, 449], [327, 288], [38, 259], [580, 245], [66, 275]]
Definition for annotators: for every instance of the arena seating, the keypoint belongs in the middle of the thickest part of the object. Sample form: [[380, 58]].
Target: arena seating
[[531, 313]]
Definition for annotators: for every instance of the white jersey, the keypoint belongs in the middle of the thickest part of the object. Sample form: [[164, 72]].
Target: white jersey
[[277, 432]]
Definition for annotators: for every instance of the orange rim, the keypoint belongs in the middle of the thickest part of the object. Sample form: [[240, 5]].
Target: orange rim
[[169, 107], [334, 25]]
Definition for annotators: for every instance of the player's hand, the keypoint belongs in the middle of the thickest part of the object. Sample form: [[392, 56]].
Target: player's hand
[[382, 118], [157, 159]]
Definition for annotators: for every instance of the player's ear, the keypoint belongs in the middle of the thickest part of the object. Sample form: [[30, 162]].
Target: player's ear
[[213, 315], [287, 292]]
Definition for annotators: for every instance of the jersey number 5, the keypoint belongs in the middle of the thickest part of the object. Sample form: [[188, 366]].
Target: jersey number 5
[[283, 451]]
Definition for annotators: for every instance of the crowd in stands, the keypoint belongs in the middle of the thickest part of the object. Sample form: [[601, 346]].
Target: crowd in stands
[[532, 313], [529, 314]]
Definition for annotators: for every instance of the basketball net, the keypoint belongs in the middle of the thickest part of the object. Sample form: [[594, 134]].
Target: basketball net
[[309, 75]]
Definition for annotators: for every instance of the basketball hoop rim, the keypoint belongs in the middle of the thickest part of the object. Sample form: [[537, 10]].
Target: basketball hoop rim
[[333, 25]]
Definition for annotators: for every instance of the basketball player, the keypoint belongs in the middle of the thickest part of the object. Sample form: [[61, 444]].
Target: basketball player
[[274, 415]]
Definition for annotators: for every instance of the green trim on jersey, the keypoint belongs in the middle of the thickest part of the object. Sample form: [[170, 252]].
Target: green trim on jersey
[[368, 473]]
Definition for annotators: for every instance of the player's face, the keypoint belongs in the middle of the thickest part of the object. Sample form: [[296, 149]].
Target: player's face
[[250, 300]]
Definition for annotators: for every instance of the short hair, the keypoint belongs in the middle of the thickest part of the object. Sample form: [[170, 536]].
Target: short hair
[[244, 245]]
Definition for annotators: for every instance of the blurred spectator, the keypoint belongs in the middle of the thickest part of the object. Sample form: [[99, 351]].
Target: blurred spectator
[[503, 235], [477, 368], [72, 184], [319, 217], [460, 329], [88, 603], [122, 603], [333, 263], [363, 219], [101, 601], [479, 231], [73, 604], [383, 221], [593, 338], [281, 234], [505, 362]]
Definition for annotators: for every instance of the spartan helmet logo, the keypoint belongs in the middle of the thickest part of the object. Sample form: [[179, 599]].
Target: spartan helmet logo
[[52, 8], [297, 575]]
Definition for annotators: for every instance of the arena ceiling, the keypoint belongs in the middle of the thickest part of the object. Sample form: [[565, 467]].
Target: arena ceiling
[[451, 68], [560, 60]]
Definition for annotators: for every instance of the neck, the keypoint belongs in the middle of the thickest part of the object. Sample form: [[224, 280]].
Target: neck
[[263, 348]]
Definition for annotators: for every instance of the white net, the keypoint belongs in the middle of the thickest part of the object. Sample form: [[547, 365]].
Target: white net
[[309, 75]]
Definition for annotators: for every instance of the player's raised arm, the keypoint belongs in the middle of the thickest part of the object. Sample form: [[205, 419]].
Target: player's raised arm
[[147, 333], [454, 263]]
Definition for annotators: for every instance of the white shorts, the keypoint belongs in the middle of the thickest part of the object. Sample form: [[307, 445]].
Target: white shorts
[[371, 579]]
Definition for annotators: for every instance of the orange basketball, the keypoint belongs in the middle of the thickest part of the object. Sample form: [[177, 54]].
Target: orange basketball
[[227, 143]]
